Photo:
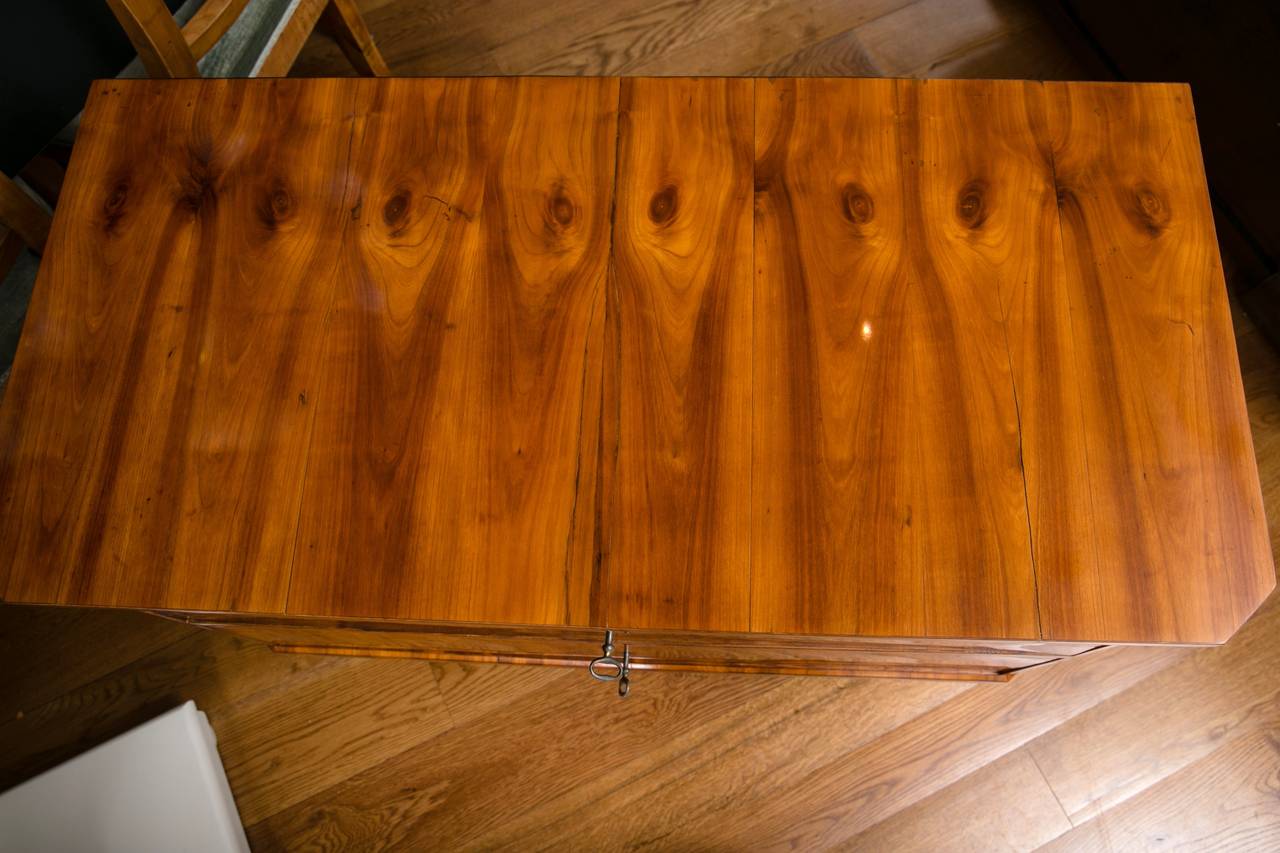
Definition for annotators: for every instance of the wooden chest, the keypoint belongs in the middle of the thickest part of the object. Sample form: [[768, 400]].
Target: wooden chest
[[819, 376]]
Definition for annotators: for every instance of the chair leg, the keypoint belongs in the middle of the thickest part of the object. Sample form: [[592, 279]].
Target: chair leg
[[21, 213], [342, 20], [10, 247], [44, 175]]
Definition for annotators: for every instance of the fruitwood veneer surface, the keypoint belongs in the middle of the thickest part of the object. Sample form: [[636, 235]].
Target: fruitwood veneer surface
[[528, 351]]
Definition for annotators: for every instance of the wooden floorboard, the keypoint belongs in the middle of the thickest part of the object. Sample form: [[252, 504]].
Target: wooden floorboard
[[1227, 801], [1165, 723], [1006, 805], [1125, 749]]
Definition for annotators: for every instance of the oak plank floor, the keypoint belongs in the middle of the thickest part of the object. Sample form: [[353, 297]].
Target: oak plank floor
[[1134, 749]]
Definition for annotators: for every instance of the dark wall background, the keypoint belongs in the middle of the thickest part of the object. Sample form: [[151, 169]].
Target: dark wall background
[[1229, 52], [50, 50]]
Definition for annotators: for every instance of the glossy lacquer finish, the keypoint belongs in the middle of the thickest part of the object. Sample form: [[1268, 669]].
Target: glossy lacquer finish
[[679, 513], [847, 357], [1163, 533], [888, 493], [154, 435], [444, 476]]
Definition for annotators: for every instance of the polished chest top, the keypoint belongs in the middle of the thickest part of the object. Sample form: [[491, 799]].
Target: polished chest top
[[828, 356]]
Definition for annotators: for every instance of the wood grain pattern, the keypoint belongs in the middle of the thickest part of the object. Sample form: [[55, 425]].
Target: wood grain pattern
[[773, 741], [846, 756], [969, 210], [755, 755], [953, 38], [336, 723], [457, 777], [1227, 801], [163, 375], [678, 549], [759, 664], [650, 650], [888, 495], [1135, 740], [746, 37], [291, 35], [343, 21], [446, 458], [473, 638], [210, 23], [1144, 492], [167, 51], [154, 33], [1005, 806], [860, 788], [489, 351]]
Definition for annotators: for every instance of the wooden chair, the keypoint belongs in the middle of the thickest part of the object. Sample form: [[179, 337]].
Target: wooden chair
[[23, 221], [242, 38], [24, 224], [27, 221]]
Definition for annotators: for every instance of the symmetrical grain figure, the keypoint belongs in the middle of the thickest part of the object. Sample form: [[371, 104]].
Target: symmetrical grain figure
[[887, 482], [831, 446], [1173, 540], [171, 386], [445, 460], [695, 359], [679, 527], [971, 232]]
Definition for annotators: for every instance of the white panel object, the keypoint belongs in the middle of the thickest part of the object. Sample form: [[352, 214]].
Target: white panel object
[[159, 787]]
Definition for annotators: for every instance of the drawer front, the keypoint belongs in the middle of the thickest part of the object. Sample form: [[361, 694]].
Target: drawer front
[[558, 646], [649, 650], [897, 658], [924, 661]]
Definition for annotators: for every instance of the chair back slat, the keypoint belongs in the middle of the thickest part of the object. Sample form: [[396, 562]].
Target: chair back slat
[[210, 23], [242, 38], [155, 35]]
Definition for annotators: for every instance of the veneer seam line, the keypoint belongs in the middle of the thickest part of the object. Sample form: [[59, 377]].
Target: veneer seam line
[[1013, 379], [751, 442], [1062, 243], [902, 189], [569, 549], [1017, 413], [605, 463]]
